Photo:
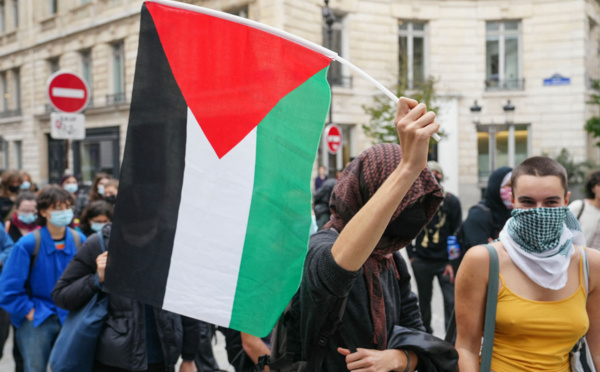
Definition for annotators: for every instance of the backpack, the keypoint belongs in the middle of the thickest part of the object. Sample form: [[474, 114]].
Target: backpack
[[461, 237], [286, 343], [36, 251]]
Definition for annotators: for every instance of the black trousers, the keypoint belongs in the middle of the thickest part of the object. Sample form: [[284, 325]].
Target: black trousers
[[425, 271]]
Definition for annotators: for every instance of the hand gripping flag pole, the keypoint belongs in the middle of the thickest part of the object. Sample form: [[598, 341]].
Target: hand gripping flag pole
[[291, 37]]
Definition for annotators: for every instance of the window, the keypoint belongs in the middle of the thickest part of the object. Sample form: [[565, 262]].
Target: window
[[501, 145], [86, 67], [118, 74], [53, 6], [17, 90], [503, 51], [412, 58], [2, 16], [334, 39], [5, 94], [240, 11], [19, 154], [4, 163], [15, 9], [53, 65], [98, 152]]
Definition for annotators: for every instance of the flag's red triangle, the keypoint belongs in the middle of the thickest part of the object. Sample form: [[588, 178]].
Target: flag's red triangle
[[230, 75]]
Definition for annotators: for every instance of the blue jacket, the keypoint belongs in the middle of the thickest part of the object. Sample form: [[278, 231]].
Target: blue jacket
[[6, 245], [49, 266]]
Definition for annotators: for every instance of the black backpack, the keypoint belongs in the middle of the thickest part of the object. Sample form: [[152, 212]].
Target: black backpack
[[286, 342]]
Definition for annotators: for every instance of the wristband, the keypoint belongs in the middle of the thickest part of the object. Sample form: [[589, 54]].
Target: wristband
[[407, 369]]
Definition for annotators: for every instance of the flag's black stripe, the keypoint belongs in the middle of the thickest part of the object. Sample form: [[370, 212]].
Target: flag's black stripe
[[147, 207]]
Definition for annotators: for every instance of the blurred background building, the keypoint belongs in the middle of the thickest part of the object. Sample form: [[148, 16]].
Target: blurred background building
[[512, 77]]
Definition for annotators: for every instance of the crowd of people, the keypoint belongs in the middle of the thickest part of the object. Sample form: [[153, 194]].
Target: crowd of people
[[354, 309]]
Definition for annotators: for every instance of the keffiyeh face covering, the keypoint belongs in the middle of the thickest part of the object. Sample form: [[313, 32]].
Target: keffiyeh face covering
[[540, 242]]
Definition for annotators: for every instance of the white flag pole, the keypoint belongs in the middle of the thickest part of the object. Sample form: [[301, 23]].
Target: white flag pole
[[380, 86]]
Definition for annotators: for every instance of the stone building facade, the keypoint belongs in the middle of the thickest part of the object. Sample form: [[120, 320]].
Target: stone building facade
[[538, 54]]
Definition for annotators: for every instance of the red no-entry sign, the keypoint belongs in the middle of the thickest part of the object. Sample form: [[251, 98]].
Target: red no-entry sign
[[333, 138], [67, 92]]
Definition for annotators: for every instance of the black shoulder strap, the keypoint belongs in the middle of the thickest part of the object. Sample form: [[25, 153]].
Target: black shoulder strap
[[581, 210], [317, 356]]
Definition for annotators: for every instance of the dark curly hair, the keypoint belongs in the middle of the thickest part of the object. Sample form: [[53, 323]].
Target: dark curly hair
[[94, 209], [52, 196], [592, 180]]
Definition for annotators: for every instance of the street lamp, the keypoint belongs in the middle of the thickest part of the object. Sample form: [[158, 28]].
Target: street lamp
[[475, 112], [493, 129], [509, 112]]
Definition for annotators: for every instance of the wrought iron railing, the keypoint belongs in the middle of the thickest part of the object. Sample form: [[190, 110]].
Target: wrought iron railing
[[115, 99], [10, 113], [497, 84]]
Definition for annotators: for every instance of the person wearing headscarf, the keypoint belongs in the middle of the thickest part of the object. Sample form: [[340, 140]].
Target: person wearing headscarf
[[381, 202], [485, 220]]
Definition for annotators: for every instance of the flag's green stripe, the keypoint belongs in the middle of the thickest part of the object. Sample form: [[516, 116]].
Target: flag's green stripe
[[279, 221]]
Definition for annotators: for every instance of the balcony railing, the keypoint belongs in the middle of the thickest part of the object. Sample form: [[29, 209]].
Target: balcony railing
[[497, 84], [115, 99], [10, 113]]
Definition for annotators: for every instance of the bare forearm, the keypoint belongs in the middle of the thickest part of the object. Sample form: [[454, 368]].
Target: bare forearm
[[254, 347], [360, 236], [467, 361]]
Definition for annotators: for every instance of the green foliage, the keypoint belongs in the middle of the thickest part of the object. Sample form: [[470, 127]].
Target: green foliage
[[381, 128], [576, 171], [592, 126]]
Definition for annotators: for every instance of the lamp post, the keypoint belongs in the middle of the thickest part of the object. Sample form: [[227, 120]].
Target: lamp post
[[475, 112], [509, 115], [493, 129]]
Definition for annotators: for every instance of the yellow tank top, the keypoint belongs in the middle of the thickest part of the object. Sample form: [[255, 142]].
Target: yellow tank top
[[538, 335]]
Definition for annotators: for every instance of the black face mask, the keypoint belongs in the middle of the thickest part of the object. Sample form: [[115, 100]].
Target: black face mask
[[408, 224], [12, 188], [111, 199]]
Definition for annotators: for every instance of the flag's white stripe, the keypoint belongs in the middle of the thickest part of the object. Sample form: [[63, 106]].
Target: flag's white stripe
[[68, 93], [211, 227], [248, 22]]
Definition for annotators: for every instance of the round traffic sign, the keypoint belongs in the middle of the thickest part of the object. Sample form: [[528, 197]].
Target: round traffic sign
[[333, 137], [67, 92]]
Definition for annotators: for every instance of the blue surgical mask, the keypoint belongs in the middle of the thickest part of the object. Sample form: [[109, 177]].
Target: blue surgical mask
[[71, 187], [100, 189], [61, 218], [97, 226], [25, 185], [26, 218]]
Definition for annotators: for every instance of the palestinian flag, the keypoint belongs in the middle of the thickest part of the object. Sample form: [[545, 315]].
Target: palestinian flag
[[214, 208]]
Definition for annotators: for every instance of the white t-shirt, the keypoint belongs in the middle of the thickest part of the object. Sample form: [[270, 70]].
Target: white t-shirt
[[589, 218]]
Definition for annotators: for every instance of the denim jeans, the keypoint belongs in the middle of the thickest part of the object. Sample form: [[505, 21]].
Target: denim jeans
[[36, 343]]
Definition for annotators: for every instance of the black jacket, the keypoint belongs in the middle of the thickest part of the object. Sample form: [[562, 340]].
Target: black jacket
[[325, 283], [122, 342], [432, 242], [483, 225], [321, 198]]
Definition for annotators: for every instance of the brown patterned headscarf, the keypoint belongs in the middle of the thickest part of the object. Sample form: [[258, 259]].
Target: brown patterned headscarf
[[357, 184]]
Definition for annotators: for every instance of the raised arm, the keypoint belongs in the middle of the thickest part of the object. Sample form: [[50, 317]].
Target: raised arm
[[362, 233], [470, 294]]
